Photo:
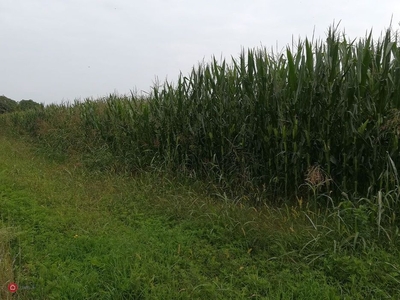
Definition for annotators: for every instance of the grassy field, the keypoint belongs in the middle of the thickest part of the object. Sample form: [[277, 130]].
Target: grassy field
[[76, 234]]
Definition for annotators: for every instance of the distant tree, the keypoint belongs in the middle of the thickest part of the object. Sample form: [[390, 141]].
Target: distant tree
[[28, 104], [7, 105]]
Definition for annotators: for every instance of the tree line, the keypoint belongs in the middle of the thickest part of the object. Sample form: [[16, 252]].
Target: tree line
[[8, 105]]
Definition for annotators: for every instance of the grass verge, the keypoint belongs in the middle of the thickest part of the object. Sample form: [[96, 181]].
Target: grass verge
[[86, 235]]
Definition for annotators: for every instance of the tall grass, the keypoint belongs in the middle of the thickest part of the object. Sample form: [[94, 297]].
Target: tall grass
[[320, 117]]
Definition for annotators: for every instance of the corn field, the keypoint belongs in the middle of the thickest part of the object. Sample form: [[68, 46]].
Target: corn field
[[322, 116]]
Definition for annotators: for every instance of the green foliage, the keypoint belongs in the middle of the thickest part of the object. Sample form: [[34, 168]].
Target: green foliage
[[29, 104], [7, 105]]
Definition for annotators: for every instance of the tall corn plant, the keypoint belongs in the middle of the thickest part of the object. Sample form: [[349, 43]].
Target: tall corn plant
[[321, 116], [270, 118]]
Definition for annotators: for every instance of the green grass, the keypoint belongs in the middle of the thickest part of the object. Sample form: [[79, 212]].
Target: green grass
[[7, 234], [88, 235]]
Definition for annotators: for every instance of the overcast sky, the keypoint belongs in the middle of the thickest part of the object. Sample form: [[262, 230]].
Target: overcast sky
[[60, 50]]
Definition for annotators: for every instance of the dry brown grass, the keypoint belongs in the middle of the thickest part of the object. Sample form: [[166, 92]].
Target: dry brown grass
[[392, 122], [316, 177]]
